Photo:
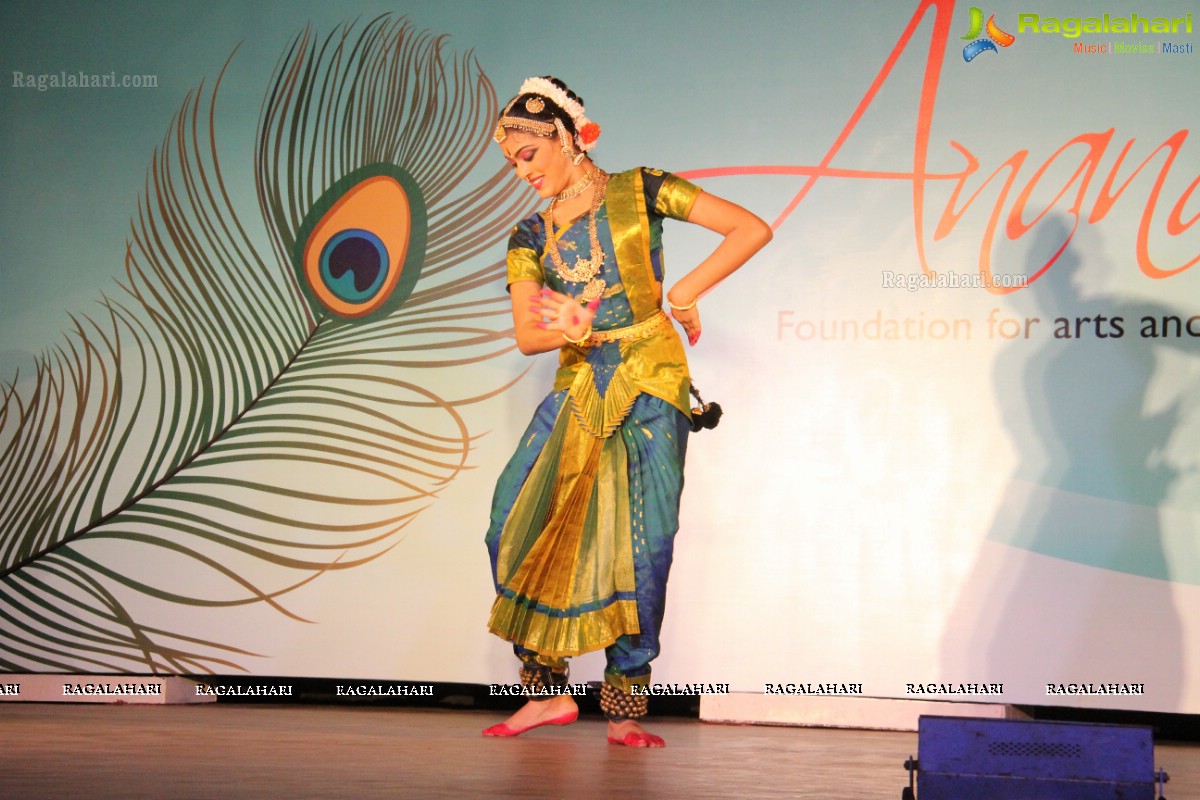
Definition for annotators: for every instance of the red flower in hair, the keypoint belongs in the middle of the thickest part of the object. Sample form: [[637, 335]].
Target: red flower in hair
[[589, 133]]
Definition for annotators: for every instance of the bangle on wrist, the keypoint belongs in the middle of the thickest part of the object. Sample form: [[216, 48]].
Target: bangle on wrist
[[688, 307], [586, 335]]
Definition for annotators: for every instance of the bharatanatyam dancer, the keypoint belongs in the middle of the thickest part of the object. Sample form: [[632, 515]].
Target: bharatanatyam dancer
[[584, 515]]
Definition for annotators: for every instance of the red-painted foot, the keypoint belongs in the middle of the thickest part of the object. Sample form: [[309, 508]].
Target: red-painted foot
[[503, 730], [637, 739]]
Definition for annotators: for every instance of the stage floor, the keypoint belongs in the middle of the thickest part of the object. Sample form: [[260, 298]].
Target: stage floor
[[301, 751]]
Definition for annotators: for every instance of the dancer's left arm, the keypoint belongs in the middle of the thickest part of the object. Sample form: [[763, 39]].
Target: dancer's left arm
[[744, 234]]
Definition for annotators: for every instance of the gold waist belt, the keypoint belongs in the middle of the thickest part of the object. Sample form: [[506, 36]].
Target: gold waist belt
[[640, 330]]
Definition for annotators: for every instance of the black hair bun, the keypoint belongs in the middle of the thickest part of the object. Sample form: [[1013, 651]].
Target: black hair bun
[[565, 88]]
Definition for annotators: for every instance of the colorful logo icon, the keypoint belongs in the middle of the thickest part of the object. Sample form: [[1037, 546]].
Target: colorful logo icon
[[994, 37]]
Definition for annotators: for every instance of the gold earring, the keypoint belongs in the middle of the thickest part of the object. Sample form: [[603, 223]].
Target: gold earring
[[564, 139]]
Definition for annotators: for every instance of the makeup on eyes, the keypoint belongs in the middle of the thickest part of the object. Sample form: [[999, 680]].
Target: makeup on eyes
[[525, 154]]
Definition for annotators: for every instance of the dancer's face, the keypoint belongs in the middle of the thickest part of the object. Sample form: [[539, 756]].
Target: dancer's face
[[538, 161]]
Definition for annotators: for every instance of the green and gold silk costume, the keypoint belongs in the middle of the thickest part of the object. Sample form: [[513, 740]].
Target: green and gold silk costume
[[584, 515]]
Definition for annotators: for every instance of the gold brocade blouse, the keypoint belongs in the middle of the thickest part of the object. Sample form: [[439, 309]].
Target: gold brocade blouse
[[629, 226]]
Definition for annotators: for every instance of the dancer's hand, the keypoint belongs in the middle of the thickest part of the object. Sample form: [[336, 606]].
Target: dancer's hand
[[690, 320], [563, 313]]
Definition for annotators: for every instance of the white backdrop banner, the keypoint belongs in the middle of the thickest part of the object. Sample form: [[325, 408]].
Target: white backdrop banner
[[259, 378]]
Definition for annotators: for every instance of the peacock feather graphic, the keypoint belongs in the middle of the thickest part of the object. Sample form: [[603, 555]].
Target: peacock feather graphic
[[256, 407]]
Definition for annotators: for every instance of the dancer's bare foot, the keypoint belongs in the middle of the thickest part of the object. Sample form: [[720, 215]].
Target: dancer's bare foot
[[630, 734], [558, 710]]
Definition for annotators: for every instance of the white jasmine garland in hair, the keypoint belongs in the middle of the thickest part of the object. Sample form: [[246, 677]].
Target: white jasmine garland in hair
[[588, 131]]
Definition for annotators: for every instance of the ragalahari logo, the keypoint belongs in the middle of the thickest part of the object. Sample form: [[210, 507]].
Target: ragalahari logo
[[994, 37]]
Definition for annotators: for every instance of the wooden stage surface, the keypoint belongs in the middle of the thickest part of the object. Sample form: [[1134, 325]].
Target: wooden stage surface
[[303, 751]]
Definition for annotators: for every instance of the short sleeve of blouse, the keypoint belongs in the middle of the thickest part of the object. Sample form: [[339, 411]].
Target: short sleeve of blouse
[[525, 252], [669, 195]]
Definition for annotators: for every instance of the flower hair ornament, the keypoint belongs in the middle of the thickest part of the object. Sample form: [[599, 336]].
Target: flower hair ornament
[[573, 147]]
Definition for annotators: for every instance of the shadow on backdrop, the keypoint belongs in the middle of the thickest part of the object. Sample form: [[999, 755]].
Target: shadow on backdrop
[[1090, 409]]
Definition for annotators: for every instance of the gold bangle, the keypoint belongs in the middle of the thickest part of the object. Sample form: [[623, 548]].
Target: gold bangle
[[586, 335], [688, 307]]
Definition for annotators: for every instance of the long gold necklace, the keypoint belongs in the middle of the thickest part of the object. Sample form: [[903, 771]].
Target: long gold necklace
[[585, 269]]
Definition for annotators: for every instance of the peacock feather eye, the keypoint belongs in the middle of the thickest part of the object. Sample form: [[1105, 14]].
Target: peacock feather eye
[[360, 248]]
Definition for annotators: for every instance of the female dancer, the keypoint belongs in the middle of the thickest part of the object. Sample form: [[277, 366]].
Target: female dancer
[[584, 515]]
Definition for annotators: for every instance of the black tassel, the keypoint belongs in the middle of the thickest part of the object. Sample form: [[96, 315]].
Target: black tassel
[[707, 415]]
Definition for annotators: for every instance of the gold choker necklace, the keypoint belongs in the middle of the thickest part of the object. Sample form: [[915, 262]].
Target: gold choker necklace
[[576, 189]]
